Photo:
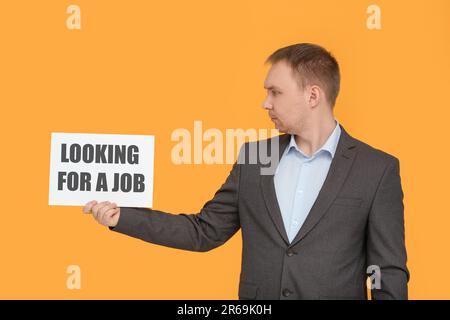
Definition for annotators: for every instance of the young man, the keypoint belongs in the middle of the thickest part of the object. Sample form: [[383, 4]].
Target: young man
[[329, 215]]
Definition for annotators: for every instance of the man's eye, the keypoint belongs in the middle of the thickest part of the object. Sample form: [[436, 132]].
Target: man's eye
[[275, 93]]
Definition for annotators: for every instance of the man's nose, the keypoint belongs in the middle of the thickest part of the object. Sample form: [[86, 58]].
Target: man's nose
[[266, 105]]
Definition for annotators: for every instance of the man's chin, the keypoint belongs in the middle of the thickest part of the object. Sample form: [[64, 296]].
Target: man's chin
[[280, 128]]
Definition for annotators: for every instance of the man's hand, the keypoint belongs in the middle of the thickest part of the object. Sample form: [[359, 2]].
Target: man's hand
[[106, 213]]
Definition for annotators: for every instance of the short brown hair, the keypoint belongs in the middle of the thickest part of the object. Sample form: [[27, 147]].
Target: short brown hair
[[314, 64]]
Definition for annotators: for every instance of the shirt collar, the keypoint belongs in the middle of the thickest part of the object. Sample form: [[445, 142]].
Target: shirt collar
[[330, 145]]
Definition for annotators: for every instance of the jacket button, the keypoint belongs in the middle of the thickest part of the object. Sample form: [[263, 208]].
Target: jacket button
[[290, 253], [287, 292]]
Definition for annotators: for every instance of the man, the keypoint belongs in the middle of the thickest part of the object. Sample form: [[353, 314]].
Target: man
[[329, 215]]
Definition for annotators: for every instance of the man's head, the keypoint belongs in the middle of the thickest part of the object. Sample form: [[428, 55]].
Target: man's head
[[303, 82]]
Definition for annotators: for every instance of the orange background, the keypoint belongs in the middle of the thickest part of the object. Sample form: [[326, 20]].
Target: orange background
[[147, 67]]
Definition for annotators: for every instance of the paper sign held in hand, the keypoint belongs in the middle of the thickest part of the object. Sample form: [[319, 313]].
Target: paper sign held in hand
[[102, 167]]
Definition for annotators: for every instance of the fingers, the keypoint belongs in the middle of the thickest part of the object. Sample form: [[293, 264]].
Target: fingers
[[111, 217], [102, 213], [106, 213], [88, 206], [96, 209]]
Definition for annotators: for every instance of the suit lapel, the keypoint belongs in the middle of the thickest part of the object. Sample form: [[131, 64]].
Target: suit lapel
[[269, 194], [339, 169]]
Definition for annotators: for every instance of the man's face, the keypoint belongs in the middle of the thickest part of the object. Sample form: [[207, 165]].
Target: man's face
[[286, 101]]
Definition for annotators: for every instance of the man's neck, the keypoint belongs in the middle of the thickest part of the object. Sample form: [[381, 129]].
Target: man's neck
[[314, 134]]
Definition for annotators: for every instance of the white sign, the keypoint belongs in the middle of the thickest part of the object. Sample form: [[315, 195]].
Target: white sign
[[102, 167]]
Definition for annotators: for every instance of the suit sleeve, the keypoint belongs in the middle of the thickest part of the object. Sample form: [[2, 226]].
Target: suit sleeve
[[386, 237], [216, 222]]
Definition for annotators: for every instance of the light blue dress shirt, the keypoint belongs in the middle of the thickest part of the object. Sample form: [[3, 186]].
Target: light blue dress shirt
[[299, 178]]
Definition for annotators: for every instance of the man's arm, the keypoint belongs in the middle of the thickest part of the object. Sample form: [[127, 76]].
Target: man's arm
[[386, 236], [217, 221]]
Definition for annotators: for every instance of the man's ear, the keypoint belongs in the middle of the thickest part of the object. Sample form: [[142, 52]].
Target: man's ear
[[314, 95]]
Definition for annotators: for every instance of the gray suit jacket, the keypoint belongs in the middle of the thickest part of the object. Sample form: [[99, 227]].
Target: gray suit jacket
[[356, 222]]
